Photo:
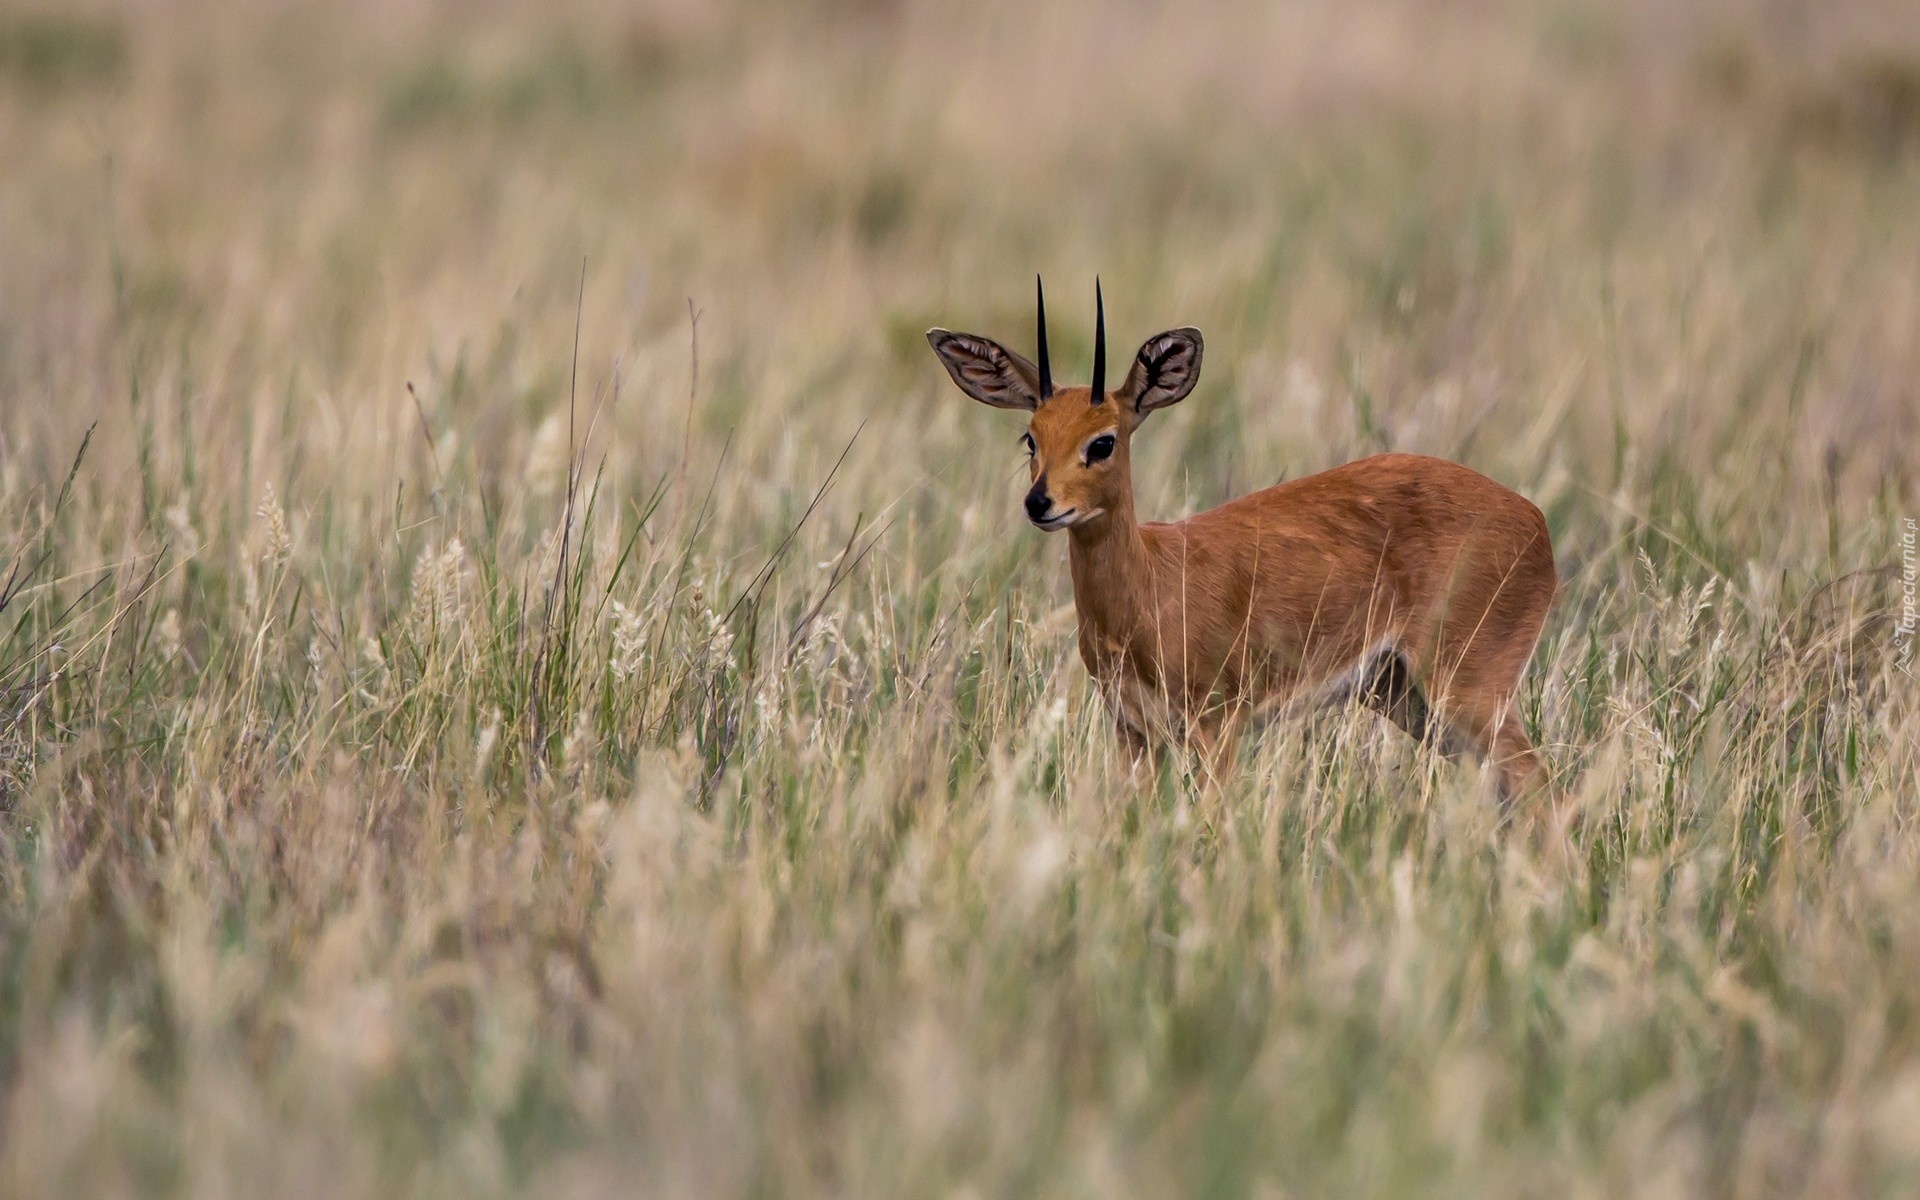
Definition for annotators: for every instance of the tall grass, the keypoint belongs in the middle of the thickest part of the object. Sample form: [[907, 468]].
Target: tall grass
[[475, 726]]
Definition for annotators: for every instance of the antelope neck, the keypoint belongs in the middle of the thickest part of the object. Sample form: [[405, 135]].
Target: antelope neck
[[1110, 566]]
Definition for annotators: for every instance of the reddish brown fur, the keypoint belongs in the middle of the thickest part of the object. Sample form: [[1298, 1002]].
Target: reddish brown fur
[[1414, 583]]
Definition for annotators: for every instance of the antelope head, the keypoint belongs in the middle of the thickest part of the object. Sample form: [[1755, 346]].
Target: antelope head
[[1078, 438]]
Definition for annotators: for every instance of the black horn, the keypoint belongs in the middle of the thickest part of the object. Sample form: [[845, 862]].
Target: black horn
[[1046, 368], [1099, 344]]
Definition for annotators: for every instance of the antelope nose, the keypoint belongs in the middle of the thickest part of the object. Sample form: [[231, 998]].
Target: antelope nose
[[1038, 502]]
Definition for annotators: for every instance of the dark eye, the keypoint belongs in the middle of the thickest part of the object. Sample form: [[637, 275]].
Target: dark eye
[[1100, 449], [1026, 443]]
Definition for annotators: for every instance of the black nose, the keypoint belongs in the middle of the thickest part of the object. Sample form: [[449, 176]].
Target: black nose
[[1038, 502]]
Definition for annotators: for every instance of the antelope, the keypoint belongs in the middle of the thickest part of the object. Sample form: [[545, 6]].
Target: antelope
[[1414, 585]]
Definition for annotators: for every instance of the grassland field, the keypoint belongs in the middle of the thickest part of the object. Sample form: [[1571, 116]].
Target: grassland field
[[519, 675]]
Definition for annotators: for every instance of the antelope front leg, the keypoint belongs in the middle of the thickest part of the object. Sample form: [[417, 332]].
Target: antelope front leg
[[1140, 756], [1213, 740]]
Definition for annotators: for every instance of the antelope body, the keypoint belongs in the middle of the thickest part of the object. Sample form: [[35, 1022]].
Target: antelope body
[[1412, 584]]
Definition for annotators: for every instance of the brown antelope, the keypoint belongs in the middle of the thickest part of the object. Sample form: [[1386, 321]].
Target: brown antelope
[[1412, 584]]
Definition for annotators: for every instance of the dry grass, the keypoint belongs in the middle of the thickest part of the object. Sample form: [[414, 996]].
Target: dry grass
[[651, 788]]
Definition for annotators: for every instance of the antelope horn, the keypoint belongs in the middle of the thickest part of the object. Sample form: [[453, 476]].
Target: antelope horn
[[1046, 368], [1099, 344]]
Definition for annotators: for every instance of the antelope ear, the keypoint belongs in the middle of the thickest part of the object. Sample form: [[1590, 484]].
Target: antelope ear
[[986, 370], [1164, 371]]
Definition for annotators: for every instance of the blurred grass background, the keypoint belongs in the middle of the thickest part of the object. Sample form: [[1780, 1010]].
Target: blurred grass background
[[649, 754]]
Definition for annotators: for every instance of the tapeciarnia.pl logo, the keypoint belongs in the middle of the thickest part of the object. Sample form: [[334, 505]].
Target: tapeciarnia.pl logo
[[1909, 606]]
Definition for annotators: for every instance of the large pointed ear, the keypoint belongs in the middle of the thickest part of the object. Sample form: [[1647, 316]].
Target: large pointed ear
[[1164, 371], [986, 370]]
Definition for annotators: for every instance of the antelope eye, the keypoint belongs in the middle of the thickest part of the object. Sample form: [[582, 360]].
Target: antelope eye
[[1026, 443], [1100, 449]]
